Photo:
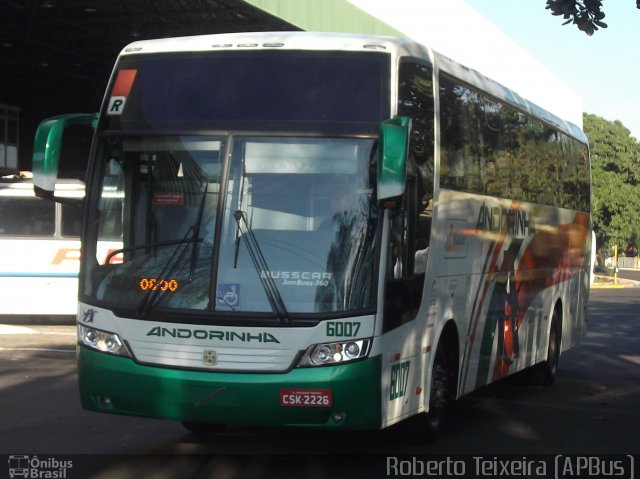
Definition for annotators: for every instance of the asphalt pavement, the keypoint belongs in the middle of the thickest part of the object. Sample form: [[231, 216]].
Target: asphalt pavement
[[592, 409]]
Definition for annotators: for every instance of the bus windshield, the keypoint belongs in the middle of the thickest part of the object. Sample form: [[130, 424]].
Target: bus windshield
[[285, 225]]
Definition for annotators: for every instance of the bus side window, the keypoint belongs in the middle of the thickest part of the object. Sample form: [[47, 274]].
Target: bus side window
[[415, 99], [411, 226], [407, 263], [27, 216], [71, 220]]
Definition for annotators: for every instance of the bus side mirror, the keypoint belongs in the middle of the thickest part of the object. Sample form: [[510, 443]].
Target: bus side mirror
[[61, 150], [392, 164]]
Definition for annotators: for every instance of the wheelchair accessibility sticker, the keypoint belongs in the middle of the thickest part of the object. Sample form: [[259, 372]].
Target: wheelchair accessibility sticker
[[228, 294]]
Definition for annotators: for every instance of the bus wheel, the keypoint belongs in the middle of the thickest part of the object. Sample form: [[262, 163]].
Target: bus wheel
[[431, 423], [544, 374], [203, 428]]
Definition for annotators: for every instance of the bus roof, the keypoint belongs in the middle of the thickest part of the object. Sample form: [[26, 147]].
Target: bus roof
[[272, 40], [395, 46]]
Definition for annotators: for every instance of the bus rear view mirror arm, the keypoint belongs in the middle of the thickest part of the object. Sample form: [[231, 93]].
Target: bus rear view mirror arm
[[52, 196]]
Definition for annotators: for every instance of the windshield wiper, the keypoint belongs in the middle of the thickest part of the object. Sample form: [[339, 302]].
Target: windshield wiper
[[174, 259], [196, 233], [116, 252], [261, 266]]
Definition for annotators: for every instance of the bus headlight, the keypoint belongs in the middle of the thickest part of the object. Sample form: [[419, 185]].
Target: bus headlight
[[335, 353], [102, 341]]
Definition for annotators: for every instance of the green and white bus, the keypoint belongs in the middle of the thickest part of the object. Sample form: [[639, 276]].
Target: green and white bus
[[320, 230]]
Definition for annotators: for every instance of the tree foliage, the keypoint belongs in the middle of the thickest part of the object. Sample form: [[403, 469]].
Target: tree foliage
[[615, 163], [587, 15]]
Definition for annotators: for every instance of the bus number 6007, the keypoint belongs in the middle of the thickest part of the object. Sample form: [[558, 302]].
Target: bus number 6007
[[346, 329]]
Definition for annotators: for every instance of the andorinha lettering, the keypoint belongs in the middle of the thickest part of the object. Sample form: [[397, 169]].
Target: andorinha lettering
[[512, 221], [213, 335]]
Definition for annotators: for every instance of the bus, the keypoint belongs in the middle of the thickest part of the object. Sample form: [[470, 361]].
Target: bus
[[39, 249], [320, 230]]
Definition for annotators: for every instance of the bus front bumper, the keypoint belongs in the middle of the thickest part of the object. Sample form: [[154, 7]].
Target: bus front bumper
[[119, 385]]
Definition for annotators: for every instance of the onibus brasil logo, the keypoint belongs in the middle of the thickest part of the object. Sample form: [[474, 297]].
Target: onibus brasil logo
[[41, 468]]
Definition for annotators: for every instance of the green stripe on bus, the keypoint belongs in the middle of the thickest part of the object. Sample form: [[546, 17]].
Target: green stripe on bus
[[119, 385]]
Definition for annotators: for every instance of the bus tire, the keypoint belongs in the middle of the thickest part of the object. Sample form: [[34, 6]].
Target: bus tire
[[544, 374], [203, 428], [432, 422]]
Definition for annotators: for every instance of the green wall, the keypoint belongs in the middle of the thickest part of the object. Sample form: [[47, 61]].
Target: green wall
[[325, 16]]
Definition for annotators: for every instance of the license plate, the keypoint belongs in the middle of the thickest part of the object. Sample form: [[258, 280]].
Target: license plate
[[306, 397]]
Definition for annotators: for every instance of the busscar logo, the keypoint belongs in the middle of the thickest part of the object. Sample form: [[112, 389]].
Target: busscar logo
[[299, 278], [35, 467]]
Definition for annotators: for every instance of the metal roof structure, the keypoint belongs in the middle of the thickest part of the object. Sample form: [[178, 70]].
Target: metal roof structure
[[56, 55], [54, 45]]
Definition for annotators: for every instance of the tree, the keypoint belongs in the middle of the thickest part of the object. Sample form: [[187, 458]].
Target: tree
[[615, 164], [586, 14]]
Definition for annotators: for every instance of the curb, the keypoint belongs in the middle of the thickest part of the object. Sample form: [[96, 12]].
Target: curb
[[38, 320], [608, 283], [611, 286]]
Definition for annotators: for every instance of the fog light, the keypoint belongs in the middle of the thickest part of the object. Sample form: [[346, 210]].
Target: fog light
[[337, 417]]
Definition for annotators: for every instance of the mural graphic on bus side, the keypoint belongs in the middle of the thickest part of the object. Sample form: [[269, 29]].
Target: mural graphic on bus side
[[551, 257]]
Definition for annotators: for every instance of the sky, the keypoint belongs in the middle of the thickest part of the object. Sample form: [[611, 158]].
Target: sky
[[604, 69]]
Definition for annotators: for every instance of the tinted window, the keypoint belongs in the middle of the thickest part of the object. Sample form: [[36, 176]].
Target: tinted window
[[26, 217], [491, 148], [411, 225], [293, 90], [71, 220]]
